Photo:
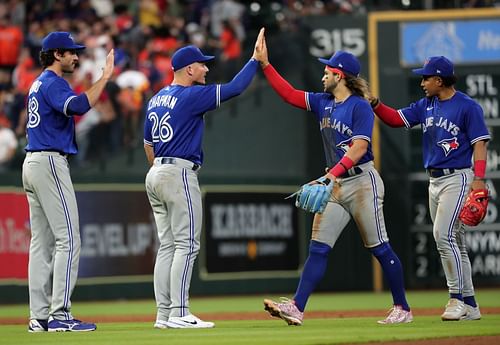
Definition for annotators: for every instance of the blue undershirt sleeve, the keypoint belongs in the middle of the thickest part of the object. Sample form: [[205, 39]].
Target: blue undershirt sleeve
[[240, 82], [79, 105]]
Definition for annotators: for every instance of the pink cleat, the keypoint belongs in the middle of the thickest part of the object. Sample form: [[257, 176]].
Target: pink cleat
[[285, 310], [397, 315]]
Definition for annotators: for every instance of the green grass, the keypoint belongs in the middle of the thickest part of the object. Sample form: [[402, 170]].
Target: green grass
[[272, 331], [317, 302], [314, 331]]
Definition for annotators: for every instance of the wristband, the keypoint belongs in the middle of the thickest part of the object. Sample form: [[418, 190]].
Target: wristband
[[480, 168], [342, 166], [374, 102]]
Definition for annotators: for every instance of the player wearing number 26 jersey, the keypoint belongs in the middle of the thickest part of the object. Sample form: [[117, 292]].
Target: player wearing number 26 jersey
[[173, 134], [454, 133], [346, 122]]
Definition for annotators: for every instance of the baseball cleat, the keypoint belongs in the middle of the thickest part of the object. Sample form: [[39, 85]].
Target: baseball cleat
[[35, 326], [72, 325], [473, 313], [454, 311], [160, 324], [397, 315], [286, 310], [188, 321]]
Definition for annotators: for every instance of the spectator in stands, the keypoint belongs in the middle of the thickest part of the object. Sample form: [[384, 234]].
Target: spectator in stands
[[134, 86], [11, 41], [23, 76], [8, 143], [231, 48]]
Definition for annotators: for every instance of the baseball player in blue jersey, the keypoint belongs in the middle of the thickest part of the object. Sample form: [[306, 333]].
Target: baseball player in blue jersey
[[454, 132], [346, 122], [173, 134], [55, 236]]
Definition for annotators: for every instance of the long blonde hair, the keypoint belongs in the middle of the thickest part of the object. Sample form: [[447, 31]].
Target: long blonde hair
[[358, 86]]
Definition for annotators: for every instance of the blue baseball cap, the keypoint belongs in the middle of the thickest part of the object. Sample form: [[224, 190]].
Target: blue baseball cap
[[188, 55], [60, 40], [344, 61], [436, 65]]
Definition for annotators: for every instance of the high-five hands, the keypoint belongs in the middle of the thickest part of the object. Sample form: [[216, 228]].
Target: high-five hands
[[260, 50]]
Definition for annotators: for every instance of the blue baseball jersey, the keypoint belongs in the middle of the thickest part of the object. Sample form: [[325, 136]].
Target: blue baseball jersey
[[449, 127], [50, 127], [341, 123], [174, 123]]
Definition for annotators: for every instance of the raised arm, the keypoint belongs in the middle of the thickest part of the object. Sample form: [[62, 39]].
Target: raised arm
[[387, 114], [241, 81], [282, 87], [96, 89], [82, 103]]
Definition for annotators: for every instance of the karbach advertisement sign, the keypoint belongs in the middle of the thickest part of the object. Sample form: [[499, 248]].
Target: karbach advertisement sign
[[117, 230], [250, 233]]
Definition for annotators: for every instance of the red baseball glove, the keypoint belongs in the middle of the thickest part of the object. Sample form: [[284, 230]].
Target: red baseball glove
[[475, 207]]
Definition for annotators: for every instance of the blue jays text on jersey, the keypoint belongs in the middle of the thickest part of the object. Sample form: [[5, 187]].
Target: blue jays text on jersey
[[341, 123], [328, 122], [450, 129]]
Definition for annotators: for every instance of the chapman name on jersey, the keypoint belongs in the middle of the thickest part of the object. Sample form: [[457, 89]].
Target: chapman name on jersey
[[167, 101], [442, 122]]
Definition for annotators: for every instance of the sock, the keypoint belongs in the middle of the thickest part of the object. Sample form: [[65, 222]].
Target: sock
[[393, 272], [457, 296], [470, 300], [314, 269]]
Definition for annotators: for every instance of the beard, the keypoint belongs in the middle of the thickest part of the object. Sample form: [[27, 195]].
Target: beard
[[70, 68], [331, 87]]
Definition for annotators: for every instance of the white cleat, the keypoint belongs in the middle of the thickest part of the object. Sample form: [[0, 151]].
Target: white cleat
[[36, 326], [472, 313], [454, 311], [188, 321], [160, 324]]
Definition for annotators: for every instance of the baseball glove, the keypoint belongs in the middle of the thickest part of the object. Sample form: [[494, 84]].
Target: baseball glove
[[475, 207], [314, 197]]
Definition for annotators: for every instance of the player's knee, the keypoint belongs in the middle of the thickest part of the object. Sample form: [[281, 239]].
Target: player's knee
[[443, 244], [319, 248], [381, 249]]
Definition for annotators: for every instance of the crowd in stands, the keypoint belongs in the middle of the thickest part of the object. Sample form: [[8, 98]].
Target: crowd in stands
[[144, 34]]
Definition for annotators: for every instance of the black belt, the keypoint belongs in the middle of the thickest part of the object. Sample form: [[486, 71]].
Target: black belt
[[52, 151], [172, 160], [432, 172], [352, 172]]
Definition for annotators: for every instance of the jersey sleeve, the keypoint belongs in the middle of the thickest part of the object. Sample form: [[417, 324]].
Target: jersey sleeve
[[362, 121], [59, 94], [148, 125], [412, 115], [475, 124], [284, 89], [240, 82], [315, 102], [206, 97]]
